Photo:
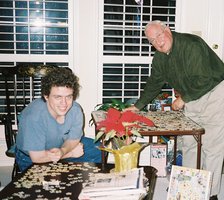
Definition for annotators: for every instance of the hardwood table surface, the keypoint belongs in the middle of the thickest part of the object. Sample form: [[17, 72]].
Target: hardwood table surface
[[29, 185]]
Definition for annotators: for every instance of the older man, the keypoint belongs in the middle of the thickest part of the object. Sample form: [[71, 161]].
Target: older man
[[190, 66]]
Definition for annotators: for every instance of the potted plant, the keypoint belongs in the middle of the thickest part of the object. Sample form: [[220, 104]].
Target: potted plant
[[119, 131]]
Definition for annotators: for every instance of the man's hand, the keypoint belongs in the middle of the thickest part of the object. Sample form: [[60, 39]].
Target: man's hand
[[70, 148], [178, 104], [55, 154]]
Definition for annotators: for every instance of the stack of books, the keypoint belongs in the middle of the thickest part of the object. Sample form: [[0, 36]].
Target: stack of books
[[113, 186]]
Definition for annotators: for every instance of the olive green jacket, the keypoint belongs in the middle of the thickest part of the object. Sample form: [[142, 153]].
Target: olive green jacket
[[192, 68]]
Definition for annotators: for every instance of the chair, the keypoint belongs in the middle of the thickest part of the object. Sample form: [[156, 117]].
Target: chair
[[7, 75], [10, 136], [19, 85]]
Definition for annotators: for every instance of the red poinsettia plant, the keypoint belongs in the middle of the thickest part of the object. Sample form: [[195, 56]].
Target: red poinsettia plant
[[121, 128]]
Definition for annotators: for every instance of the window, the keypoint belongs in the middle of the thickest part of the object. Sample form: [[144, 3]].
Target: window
[[34, 27], [126, 52], [37, 31]]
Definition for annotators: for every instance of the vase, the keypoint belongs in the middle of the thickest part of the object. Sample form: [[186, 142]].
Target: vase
[[126, 158]]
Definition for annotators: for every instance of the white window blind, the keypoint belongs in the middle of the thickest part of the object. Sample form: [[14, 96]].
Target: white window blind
[[126, 53], [32, 33], [123, 79], [34, 27]]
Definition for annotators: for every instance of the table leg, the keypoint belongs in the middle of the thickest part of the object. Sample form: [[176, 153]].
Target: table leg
[[175, 151], [103, 157], [150, 139], [103, 153], [199, 152], [198, 140]]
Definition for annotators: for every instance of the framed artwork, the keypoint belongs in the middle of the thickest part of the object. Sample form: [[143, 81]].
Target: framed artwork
[[189, 183], [158, 158]]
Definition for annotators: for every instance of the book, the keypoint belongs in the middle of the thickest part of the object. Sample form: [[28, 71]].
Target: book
[[117, 196], [122, 185], [158, 158], [189, 183]]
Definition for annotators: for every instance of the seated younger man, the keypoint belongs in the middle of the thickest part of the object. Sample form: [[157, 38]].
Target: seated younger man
[[51, 128]]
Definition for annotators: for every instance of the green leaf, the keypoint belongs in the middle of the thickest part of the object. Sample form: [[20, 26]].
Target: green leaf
[[117, 143], [118, 104], [115, 103], [110, 135], [98, 136], [104, 107], [136, 133]]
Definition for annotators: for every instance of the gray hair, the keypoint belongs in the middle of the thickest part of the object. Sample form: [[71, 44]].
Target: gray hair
[[158, 22]]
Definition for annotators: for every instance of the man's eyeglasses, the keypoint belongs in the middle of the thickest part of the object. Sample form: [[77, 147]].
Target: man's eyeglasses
[[153, 40]]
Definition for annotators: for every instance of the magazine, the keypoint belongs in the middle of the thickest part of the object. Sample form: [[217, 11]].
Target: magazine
[[188, 183], [158, 158], [122, 185]]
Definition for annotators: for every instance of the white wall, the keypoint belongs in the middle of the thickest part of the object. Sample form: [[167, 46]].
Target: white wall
[[204, 18], [87, 66], [191, 16]]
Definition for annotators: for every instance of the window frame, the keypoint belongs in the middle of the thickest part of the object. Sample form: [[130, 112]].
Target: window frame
[[122, 59], [44, 58]]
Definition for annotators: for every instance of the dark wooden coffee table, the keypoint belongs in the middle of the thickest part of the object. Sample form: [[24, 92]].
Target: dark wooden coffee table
[[29, 185]]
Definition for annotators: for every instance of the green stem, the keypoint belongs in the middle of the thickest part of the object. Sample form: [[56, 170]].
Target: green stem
[[117, 143]]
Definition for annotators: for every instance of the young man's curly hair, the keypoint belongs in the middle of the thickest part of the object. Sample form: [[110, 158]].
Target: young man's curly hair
[[60, 77]]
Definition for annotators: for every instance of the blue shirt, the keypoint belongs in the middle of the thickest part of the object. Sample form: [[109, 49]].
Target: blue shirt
[[39, 131]]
